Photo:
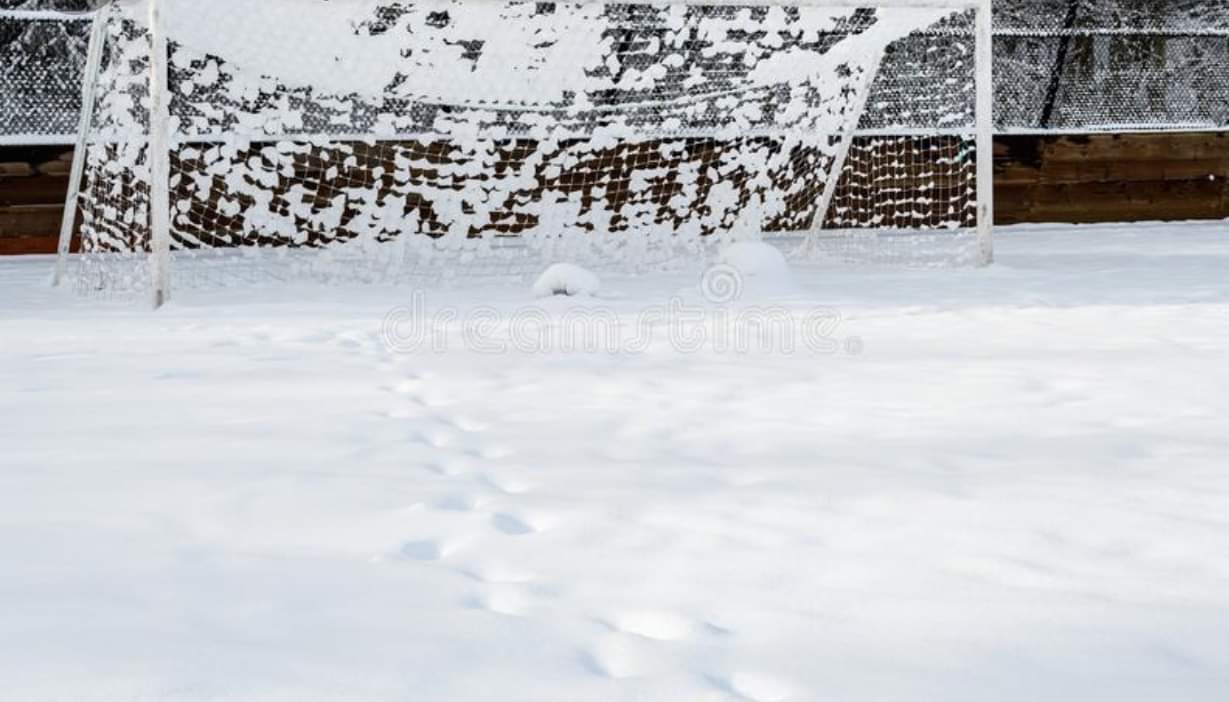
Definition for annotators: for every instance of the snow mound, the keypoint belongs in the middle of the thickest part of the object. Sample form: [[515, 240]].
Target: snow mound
[[755, 259], [566, 279], [761, 267]]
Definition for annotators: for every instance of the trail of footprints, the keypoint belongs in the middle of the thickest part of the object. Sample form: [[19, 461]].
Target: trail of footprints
[[466, 457], [631, 646]]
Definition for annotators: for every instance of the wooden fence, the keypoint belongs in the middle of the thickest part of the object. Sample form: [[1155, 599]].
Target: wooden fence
[[1112, 177]]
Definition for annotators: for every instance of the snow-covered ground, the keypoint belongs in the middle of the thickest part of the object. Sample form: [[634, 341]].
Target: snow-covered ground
[[1001, 484]]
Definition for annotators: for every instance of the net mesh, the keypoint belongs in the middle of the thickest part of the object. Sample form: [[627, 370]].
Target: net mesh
[[42, 57], [1107, 65], [428, 141]]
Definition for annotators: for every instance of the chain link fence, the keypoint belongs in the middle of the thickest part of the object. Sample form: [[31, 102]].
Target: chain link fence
[[1111, 65], [1060, 66], [42, 57]]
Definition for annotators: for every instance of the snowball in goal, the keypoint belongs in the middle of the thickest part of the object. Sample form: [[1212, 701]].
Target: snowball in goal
[[233, 141]]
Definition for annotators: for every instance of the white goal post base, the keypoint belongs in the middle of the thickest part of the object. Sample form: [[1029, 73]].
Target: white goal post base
[[444, 140]]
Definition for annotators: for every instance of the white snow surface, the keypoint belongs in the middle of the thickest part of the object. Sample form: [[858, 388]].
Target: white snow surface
[[566, 279], [1000, 484]]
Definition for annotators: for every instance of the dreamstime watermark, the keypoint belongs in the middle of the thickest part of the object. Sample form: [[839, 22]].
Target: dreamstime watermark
[[716, 322]]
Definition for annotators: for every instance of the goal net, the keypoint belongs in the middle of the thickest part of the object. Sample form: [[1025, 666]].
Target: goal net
[[233, 141]]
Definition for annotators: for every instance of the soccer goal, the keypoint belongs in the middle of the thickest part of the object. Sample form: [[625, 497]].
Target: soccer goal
[[236, 141]]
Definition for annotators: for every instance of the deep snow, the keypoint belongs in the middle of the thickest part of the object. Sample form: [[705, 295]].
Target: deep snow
[[1001, 484]]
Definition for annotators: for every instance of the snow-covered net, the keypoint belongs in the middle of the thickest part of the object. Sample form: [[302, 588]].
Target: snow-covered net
[[440, 139]]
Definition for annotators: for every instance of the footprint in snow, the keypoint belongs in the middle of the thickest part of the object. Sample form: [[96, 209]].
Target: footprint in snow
[[756, 687], [408, 386], [496, 573], [426, 550], [456, 503], [512, 525], [619, 656], [659, 625], [467, 425], [509, 485], [437, 437], [508, 600], [448, 469], [490, 453]]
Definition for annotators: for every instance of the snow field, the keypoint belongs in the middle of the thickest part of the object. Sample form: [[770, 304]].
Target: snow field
[[1013, 487]]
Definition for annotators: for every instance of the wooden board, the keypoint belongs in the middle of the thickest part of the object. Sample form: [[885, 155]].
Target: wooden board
[[31, 206], [1112, 177]]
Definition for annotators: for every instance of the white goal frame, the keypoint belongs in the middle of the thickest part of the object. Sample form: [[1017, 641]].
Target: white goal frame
[[160, 137]]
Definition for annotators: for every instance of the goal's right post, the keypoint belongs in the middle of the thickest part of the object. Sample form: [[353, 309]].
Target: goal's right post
[[160, 157], [911, 179], [985, 133]]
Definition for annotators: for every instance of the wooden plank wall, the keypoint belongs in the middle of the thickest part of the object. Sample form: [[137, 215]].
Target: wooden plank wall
[[33, 184], [1111, 177], [1076, 179]]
